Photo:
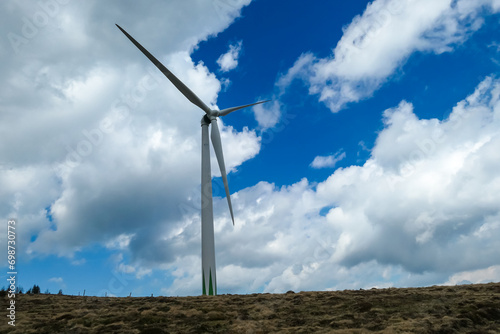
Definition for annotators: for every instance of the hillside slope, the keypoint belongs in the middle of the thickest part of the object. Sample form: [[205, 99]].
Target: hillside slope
[[448, 309]]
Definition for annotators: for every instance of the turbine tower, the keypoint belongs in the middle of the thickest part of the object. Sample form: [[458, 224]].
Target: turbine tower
[[207, 220]]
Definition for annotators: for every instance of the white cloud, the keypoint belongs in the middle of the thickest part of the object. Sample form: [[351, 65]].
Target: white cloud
[[56, 279], [120, 242], [108, 144], [78, 262], [229, 60], [422, 210], [487, 275], [108, 154], [328, 161], [125, 268], [374, 45], [268, 114], [238, 147], [433, 192], [59, 281]]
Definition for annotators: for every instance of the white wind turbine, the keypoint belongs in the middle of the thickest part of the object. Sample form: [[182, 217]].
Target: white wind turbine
[[207, 219]]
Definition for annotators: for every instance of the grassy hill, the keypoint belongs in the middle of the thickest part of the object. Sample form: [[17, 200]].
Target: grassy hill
[[448, 309]]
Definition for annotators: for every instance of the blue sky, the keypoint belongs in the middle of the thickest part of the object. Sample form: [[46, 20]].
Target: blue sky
[[375, 164]]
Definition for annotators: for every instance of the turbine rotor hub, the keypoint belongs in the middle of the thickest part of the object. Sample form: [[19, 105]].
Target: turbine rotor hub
[[205, 120], [208, 118]]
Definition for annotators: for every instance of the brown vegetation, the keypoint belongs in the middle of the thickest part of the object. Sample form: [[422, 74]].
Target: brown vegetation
[[448, 309]]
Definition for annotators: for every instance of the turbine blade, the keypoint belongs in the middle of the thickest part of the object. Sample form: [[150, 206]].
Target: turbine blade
[[216, 142], [177, 83], [224, 112]]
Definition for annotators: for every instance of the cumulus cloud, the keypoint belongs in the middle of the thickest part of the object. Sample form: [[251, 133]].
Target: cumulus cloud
[[490, 274], [109, 160], [328, 161], [56, 279], [229, 60], [422, 210], [156, 154], [102, 144], [378, 42], [432, 192], [268, 114], [238, 147]]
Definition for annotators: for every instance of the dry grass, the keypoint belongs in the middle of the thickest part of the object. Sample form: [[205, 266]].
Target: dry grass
[[457, 309]]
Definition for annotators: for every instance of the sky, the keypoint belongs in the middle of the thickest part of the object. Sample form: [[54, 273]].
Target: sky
[[376, 163]]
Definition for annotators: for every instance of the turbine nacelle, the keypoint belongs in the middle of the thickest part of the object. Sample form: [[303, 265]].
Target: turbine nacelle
[[212, 115]]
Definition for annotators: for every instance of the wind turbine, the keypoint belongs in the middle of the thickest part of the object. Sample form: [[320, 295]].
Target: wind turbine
[[207, 220]]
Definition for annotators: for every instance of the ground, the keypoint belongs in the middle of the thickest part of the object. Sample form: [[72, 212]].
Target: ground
[[437, 309]]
